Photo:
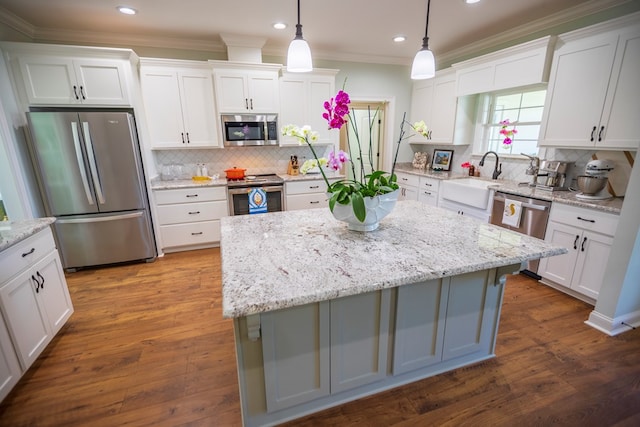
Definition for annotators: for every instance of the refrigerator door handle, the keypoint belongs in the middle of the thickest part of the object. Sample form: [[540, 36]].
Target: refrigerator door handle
[[99, 219], [83, 172], [92, 162]]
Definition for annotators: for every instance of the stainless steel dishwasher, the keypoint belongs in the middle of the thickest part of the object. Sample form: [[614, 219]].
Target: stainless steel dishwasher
[[533, 220]]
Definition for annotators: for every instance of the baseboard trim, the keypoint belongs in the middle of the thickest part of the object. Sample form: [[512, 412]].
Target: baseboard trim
[[613, 327]]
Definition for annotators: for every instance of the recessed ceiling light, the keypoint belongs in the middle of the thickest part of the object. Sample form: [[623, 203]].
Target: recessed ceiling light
[[399, 39], [279, 25], [471, 1], [127, 10]]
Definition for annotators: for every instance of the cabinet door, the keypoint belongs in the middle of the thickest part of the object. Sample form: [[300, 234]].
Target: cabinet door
[[578, 83], [27, 322], [359, 339], [295, 348], [232, 92], [419, 333], [593, 252], [472, 309], [408, 193], [622, 106], [307, 201], [101, 81], [294, 106], [161, 96], [200, 121], [53, 296], [421, 105], [264, 96], [443, 111], [560, 268], [10, 371], [321, 89], [49, 80]]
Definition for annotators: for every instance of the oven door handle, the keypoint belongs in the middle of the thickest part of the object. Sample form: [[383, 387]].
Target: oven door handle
[[246, 190], [524, 205]]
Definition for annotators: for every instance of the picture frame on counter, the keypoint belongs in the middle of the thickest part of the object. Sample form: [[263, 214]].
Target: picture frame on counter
[[441, 160]]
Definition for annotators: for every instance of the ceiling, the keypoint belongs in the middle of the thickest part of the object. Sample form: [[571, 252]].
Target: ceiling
[[348, 30]]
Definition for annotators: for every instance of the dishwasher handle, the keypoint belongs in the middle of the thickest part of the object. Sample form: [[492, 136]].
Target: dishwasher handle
[[524, 204]]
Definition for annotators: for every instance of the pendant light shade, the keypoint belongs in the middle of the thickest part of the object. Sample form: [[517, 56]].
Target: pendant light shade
[[424, 64], [299, 54]]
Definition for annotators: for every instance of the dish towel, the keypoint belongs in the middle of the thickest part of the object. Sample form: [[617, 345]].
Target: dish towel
[[257, 201], [512, 213]]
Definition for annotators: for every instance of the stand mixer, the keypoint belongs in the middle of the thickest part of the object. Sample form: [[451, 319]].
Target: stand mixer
[[593, 183]]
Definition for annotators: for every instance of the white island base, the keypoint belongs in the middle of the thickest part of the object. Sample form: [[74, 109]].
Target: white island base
[[300, 360]]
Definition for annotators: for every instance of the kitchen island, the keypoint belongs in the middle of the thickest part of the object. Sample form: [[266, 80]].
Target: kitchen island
[[324, 315]]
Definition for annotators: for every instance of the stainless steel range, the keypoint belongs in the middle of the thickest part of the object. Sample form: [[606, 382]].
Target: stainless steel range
[[239, 193]]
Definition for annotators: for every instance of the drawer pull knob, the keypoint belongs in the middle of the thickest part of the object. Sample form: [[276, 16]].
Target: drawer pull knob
[[196, 234], [192, 195], [575, 242], [583, 242], [28, 253], [586, 220], [194, 213]]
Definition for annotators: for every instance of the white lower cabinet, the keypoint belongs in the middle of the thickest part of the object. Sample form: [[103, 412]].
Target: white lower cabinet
[[10, 371], [35, 300], [421, 188], [408, 186], [189, 218], [306, 194], [588, 234]]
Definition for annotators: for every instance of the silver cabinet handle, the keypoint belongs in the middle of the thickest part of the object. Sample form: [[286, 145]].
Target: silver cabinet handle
[[99, 218], [83, 171], [93, 166]]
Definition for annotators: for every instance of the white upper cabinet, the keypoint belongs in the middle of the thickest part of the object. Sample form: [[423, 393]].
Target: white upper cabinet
[[302, 103], [246, 89], [51, 80], [448, 117], [593, 98], [522, 65], [179, 104]]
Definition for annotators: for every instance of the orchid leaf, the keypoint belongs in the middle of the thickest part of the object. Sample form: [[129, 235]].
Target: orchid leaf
[[358, 206]]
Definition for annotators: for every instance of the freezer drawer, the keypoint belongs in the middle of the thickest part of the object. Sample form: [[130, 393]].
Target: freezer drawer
[[89, 240]]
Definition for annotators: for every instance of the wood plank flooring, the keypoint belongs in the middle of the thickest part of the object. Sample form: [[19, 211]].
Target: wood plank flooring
[[147, 346]]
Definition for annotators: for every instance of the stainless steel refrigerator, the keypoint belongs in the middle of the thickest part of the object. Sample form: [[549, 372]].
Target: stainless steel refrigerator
[[91, 179]]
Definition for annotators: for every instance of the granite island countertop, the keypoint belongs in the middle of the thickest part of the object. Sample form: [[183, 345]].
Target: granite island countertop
[[12, 232], [285, 259]]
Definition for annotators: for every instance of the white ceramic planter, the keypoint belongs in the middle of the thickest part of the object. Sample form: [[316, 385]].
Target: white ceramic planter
[[377, 208]]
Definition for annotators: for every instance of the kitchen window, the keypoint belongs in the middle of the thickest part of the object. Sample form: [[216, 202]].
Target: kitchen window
[[523, 109]]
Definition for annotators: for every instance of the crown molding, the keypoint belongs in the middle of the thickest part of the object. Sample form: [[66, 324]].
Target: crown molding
[[16, 23], [523, 31]]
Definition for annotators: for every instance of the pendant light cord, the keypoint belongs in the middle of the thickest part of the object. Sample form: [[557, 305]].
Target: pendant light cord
[[298, 26], [425, 40]]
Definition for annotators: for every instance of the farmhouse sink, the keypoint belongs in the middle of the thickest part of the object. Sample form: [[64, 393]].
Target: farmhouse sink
[[468, 191]]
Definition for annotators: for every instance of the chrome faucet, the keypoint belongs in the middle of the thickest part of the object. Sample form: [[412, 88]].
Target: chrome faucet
[[496, 170]]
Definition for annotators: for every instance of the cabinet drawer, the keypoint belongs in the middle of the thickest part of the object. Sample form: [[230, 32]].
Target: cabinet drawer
[[301, 187], [191, 212], [307, 201], [197, 233], [407, 179], [586, 219], [429, 184], [428, 197], [25, 253], [185, 195]]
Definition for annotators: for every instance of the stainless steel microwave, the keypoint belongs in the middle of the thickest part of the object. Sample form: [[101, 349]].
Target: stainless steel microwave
[[249, 130]]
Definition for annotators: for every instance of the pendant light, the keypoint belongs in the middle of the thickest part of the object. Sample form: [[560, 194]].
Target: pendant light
[[299, 54], [424, 64]]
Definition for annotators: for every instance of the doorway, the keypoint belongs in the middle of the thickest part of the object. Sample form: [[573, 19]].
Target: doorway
[[366, 153]]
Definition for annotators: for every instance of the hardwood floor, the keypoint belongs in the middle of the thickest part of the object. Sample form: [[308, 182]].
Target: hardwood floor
[[147, 345]]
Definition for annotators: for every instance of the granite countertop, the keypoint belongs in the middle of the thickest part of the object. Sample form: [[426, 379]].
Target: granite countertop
[[12, 232], [158, 184], [286, 259], [613, 205], [310, 176]]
